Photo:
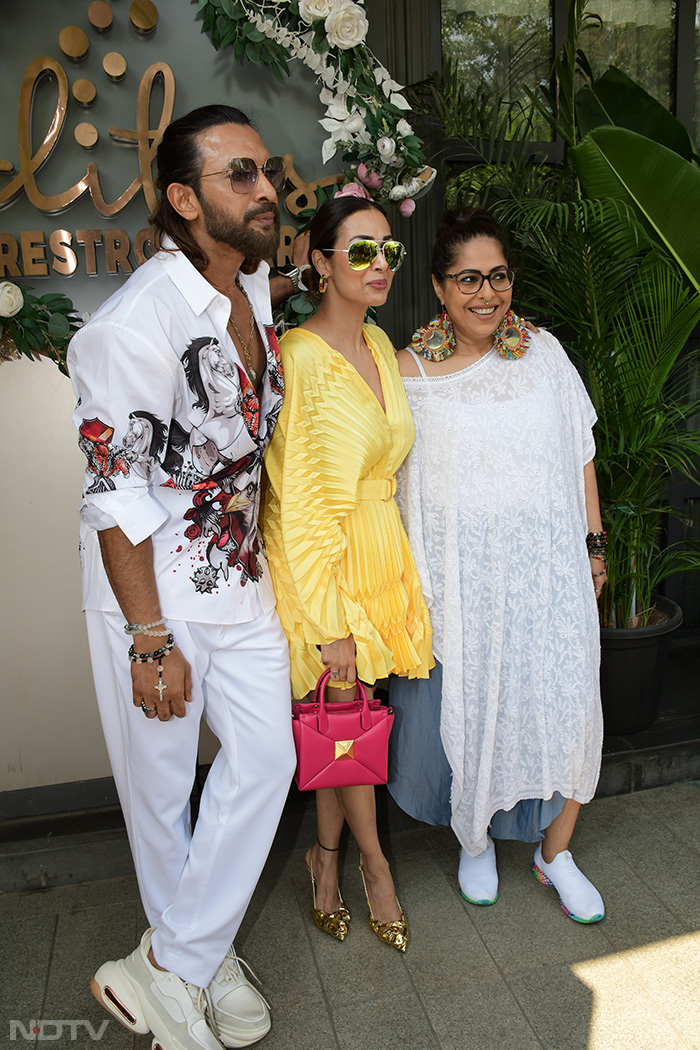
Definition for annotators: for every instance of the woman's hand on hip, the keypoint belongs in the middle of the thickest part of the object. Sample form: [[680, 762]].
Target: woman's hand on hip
[[340, 657]]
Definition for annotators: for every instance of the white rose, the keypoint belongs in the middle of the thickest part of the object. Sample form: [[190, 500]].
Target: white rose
[[404, 128], [398, 193], [312, 9], [386, 147], [346, 25], [11, 299]]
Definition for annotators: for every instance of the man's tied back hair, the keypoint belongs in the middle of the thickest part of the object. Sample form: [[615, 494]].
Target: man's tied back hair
[[178, 159]]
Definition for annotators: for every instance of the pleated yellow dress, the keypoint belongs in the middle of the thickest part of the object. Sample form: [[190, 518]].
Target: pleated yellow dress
[[339, 557]]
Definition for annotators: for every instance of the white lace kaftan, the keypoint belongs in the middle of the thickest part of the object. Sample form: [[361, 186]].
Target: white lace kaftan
[[492, 496]]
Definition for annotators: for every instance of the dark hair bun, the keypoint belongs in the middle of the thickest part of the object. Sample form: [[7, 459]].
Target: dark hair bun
[[458, 227]]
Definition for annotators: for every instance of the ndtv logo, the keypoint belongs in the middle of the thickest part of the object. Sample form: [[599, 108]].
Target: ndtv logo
[[51, 1030]]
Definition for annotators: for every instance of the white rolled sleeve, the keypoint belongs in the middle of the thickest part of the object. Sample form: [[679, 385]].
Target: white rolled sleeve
[[136, 512], [116, 372]]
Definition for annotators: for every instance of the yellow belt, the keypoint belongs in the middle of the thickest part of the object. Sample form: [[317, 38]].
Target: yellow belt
[[381, 488]]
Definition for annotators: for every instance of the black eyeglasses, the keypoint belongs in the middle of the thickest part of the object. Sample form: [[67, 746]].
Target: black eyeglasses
[[362, 253], [243, 173], [470, 281]]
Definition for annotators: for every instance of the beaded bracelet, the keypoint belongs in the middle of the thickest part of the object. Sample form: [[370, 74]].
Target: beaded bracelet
[[596, 541], [145, 628], [596, 547], [158, 654]]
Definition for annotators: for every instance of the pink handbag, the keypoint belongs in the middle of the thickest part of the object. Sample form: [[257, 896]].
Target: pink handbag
[[341, 744]]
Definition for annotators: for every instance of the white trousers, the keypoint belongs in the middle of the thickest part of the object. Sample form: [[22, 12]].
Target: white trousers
[[196, 886]]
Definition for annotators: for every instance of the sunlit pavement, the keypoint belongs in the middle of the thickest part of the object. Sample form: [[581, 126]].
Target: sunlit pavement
[[518, 975]]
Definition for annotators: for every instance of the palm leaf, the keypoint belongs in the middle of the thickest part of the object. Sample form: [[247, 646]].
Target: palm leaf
[[615, 99], [661, 186]]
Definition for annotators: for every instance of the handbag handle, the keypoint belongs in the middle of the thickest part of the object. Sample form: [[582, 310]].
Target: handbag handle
[[320, 699]]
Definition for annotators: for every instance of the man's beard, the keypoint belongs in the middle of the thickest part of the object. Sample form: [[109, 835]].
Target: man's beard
[[239, 235]]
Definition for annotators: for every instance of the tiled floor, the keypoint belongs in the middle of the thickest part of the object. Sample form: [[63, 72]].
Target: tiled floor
[[517, 976]]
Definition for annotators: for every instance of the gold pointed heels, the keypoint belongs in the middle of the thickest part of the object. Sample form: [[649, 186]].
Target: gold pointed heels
[[336, 923], [395, 933]]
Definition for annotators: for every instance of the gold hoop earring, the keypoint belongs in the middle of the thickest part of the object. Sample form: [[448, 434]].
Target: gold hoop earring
[[322, 283]]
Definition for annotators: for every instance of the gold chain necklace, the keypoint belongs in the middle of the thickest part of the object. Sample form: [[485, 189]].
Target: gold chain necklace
[[246, 346]]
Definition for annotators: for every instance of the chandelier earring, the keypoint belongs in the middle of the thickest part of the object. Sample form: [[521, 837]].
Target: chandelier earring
[[511, 339], [436, 340]]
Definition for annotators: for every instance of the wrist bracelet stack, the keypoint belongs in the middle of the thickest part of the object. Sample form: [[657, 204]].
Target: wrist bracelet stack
[[145, 628], [597, 544], [157, 654]]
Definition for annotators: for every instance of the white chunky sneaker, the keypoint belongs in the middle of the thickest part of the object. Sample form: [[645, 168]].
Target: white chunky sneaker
[[241, 1013], [577, 895], [478, 876], [146, 999]]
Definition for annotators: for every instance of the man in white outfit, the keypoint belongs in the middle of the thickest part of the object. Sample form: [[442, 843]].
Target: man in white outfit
[[179, 386]]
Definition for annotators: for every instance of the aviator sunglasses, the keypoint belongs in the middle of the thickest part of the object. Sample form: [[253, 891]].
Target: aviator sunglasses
[[243, 173], [363, 253]]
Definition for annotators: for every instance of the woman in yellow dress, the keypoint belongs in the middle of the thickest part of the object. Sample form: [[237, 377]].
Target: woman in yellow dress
[[348, 592]]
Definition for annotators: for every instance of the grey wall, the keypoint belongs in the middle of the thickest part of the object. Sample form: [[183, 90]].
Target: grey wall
[[287, 116]]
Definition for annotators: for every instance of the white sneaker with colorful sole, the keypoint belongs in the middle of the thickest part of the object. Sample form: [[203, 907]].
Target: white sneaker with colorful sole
[[577, 895]]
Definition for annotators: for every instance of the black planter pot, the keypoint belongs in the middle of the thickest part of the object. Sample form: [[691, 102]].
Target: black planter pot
[[632, 664]]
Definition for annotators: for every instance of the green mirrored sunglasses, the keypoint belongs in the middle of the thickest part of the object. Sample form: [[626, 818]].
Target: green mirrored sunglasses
[[363, 253]]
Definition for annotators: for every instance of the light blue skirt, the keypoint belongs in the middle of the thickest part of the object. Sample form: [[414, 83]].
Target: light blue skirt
[[420, 778]]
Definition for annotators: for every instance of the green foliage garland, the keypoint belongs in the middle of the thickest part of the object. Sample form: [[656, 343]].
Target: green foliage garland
[[35, 327], [365, 110]]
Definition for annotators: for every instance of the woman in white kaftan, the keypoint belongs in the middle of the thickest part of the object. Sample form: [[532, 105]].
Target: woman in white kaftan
[[498, 495]]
